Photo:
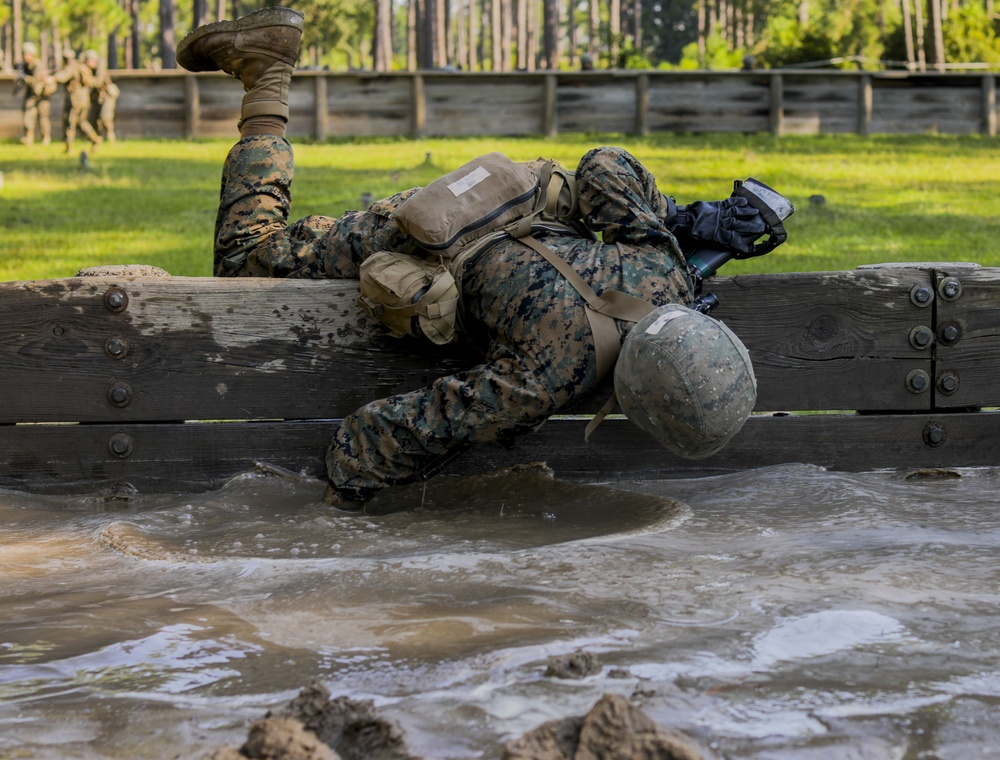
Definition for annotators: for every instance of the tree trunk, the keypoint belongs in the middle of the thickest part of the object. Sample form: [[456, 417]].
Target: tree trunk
[[550, 34], [506, 35], [937, 35], [908, 35], [168, 36], [441, 36], [614, 31], [411, 35], [495, 36], [382, 42], [199, 13], [918, 18], [571, 32], [593, 28], [16, 28], [702, 29], [637, 25], [473, 57]]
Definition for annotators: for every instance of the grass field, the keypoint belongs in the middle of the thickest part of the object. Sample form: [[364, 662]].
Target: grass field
[[887, 198]]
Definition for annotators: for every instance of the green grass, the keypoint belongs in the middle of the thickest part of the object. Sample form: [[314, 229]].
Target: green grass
[[887, 198]]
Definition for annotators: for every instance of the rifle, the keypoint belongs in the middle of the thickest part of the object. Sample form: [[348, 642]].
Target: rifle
[[20, 81], [774, 208]]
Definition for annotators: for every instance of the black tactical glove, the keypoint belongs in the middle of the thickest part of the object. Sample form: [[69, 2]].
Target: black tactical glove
[[732, 224]]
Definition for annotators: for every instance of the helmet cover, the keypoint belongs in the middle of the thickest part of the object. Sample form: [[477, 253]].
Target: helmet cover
[[686, 379]]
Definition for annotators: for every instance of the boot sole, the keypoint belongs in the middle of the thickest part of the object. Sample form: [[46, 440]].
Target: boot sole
[[273, 16]]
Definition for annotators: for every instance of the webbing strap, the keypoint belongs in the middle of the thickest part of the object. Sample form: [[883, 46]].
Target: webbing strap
[[601, 310], [604, 411]]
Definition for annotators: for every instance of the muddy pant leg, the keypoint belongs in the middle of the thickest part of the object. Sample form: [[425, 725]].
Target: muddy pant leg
[[29, 118], [401, 439], [69, 124], [254, 239], [80, 117], [252, 234], [45, 119], [619, 197]]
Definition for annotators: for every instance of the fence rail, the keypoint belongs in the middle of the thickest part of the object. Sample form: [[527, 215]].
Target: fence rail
[[453, 104]]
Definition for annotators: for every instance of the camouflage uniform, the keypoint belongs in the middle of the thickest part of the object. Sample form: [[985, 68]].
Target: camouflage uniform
[[78, 78], [526, 319], [103, 99], [37, 105]]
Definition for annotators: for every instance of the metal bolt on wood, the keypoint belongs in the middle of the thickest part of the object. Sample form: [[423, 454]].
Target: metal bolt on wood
[[950, 288], [116, 348], [120, 394], [934, 434], [950, 333], [948, 383], [121, 445], [917, 381], [921, 295], [116, 299], [921, 337]]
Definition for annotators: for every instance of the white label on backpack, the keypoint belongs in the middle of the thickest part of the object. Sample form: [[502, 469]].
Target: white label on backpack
[[469, 181]]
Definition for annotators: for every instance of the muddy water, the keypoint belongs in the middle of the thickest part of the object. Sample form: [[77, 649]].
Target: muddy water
[[782, 613]]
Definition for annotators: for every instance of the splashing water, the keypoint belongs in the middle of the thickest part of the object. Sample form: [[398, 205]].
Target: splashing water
[[782, 613]]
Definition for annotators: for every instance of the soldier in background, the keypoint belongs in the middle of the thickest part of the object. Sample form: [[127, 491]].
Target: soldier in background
[[103, 99], [79, 77], [39, 87]]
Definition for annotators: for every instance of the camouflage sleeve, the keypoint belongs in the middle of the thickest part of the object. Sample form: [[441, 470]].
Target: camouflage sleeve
[[619, 198]]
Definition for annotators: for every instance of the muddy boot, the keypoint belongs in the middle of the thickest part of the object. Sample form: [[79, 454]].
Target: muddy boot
[[260, 49]]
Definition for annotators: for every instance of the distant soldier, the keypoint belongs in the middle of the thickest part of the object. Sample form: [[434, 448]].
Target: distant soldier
[[39, 87], [103, 98], [78, 77]]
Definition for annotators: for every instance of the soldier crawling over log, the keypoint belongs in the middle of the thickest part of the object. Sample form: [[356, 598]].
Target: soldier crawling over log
[[597, 269]]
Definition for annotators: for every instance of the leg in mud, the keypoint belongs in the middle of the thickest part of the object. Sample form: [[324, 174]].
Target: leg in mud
[[409, 437], [540, 361]]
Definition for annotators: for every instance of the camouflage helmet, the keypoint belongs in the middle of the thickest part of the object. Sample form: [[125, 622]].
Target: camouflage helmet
[[29, 48], [90, 56], [686, 379]]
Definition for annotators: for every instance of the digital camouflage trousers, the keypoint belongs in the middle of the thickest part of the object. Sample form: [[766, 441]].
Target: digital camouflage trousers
[[526, 321]]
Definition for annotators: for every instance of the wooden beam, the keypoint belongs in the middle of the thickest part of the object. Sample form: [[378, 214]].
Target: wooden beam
[[642, 105], [419, 106], [776, 105], [550, 124], [865, 104], [989, 101], [157, 458], [192, 107], [321, 110]]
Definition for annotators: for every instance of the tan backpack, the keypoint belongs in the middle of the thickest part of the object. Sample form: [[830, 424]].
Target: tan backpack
[[488, 197]]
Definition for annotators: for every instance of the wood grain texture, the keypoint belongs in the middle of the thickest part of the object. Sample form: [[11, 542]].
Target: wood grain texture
[[180, 382]]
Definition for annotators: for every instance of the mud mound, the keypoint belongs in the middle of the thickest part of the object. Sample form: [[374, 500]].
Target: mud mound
[[315, 727], [614, 728]]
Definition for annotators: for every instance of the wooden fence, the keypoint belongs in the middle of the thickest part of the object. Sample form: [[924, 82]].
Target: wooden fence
[[451, 104], [178, 383]]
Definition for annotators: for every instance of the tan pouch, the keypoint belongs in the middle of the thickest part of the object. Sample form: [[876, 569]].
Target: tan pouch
[[486, 194], [409, 295]]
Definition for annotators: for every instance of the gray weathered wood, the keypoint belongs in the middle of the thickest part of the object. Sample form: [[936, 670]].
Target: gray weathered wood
[[990, 106], [449, 103], [180, 382], [776, 105], [199, 456], [865, 102]]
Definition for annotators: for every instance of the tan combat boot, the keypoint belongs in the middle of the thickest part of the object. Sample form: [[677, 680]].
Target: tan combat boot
[[260, 49]]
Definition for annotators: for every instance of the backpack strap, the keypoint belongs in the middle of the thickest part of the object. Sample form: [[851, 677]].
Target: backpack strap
[[601, 310]]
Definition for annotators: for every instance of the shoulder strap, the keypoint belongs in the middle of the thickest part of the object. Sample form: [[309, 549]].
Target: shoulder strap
[[601, 310]]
